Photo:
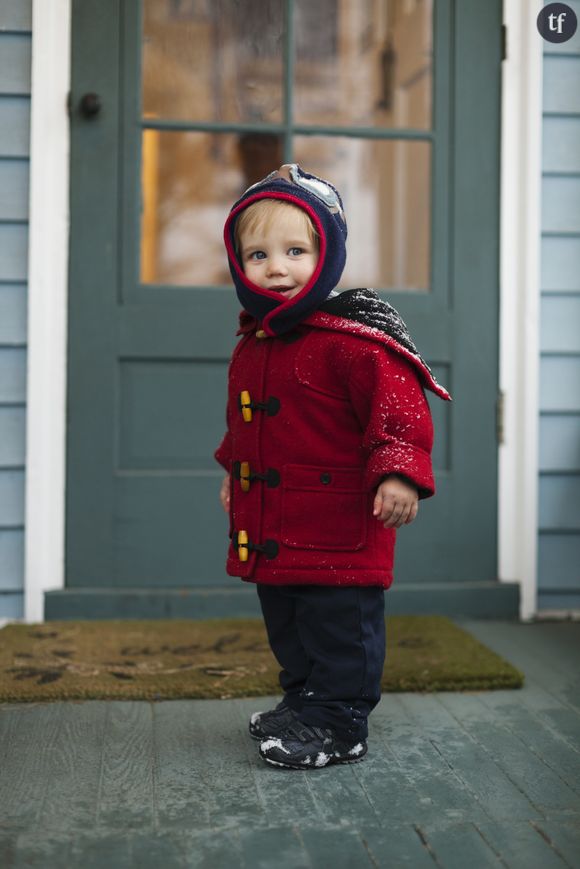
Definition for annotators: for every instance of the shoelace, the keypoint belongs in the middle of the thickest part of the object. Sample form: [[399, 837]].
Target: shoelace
[[305, 732]]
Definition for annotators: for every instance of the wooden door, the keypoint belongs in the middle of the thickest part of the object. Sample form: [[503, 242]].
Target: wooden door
[[399, 105]]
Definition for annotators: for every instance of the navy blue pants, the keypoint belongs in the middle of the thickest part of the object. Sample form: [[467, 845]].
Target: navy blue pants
[[330, 643]]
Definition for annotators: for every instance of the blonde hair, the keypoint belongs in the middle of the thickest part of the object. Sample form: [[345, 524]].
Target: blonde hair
[[261, 214]]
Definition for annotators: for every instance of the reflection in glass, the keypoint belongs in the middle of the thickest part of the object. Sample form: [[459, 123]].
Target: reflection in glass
[[385, 186], [363, 63], [189, 183], [213, 60]]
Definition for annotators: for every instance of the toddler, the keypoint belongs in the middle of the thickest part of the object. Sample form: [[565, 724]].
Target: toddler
[[327, 453]]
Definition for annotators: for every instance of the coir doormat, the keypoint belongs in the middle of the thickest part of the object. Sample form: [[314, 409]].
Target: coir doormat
[[174, 659]]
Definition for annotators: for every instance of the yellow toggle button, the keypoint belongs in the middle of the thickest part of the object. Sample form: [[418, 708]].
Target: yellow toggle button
[[243, 551], [246, 405], [261, 334], [245, 476]]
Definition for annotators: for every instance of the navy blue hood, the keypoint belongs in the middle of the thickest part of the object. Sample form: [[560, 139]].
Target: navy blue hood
[[323, 205]]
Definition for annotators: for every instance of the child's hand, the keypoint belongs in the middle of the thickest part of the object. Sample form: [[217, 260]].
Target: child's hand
[[225, 493], [396, 502]]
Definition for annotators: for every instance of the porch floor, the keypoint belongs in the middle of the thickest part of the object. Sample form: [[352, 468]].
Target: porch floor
[[484, 779]]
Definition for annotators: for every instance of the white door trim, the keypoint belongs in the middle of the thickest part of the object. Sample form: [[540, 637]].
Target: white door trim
[[47, 305], [520, 239]]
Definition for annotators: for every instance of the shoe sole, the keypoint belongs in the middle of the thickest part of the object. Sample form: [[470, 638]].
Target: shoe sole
[[309, 766]]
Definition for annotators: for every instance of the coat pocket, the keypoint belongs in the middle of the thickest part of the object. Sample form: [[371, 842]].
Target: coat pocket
[[324, 508]]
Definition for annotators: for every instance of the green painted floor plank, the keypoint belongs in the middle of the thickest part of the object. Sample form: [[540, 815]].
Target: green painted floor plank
[[340, 849], [212, 849], [542, 786], [155, 849], [386, 787], [396, 846], [460, 845], [497, 795], [126, 792], [562, 722], [74, 768], [37, 850], [111, 850], [535, 732], [25, 775], [424, 765], [287, 792], [527, 646], [181, 790], [278, 847], [520, 846], [564, 838], [343, 797], [219, 763]]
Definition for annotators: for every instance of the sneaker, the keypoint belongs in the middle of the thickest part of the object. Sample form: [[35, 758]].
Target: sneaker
[[272, 723], [304, 747]]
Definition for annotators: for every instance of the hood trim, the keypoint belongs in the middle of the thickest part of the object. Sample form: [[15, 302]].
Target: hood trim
[[286, 304]]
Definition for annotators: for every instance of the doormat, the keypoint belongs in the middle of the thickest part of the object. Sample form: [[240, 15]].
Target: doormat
[[171, 659]]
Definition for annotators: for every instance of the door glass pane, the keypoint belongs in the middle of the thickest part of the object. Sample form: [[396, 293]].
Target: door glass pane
[[213, 60], [363, 63], [189, 183], [385, 186]]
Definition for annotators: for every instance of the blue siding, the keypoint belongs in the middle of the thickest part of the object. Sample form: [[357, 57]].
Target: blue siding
[[559, 456], [15, 54]]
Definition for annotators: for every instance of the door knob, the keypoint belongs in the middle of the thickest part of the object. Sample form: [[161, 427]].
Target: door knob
[[90, 105]]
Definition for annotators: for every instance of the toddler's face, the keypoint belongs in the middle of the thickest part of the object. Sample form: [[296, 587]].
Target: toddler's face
[[281, 256]]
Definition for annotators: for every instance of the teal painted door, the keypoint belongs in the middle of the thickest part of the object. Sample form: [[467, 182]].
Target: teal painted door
[[397, 103]]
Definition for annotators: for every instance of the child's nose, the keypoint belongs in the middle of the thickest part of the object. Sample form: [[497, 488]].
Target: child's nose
[[276, 266]]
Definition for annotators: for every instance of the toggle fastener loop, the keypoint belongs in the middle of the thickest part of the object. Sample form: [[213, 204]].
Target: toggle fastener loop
[[271, 406], [243, 473], [240, 542]]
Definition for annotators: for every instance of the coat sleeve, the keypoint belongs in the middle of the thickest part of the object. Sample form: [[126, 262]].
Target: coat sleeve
[[390, 404]]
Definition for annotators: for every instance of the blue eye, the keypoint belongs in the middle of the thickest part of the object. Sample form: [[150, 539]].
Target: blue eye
[[296, 251], [258, 254]]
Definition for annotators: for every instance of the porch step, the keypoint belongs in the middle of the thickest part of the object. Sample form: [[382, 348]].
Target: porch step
[[491, 599]]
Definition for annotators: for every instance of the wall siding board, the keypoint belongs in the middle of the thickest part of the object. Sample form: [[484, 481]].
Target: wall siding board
[[559, 432], [561, 144], [561, 92], [15, 78], [11, 498], [11, 561], [559, 560], [561, 602], [560, 264], [13, 252], [15, 55], [12, 436], [560, 383], [14, 126], [12, 375], [560, 442], [561, 204], [13, 313], [559, 502], [560, 323], [12, 606], [16, 15], [14, 189]]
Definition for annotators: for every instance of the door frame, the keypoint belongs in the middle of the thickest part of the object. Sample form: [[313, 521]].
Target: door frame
[[48, 299]]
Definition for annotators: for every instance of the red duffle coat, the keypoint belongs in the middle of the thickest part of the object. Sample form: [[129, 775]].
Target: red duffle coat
[[335, 406]]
